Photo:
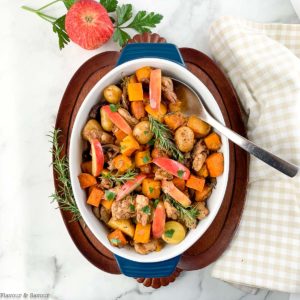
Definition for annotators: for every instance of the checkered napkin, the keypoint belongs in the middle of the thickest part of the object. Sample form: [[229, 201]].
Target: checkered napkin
[[262, 62]]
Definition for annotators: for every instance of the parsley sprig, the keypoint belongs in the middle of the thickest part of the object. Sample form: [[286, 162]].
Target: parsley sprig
[[121, 16], [64, 194], [164, 137]]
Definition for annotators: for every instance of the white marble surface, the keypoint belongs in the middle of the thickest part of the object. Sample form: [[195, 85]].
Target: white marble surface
[[36, 252]]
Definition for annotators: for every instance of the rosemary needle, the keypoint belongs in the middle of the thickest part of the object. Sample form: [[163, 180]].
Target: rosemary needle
[[64, 194]]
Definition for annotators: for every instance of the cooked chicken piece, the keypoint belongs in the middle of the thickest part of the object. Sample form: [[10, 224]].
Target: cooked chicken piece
[[123, 209], [203, 210], [188, 222], [124, 100], [105, 183], [143, 210], [171, 211], [147, 247], [161, 174], [127, 116], [199, 155], [105, 214], [168, 89]]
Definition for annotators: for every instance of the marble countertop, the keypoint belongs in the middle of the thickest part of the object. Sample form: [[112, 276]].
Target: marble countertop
[[36, 252]]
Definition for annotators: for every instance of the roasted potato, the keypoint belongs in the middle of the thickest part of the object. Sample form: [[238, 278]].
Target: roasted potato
[[112, 94], [174, 232], [142, 132], [184, 138], [106, 123], [93, 130]]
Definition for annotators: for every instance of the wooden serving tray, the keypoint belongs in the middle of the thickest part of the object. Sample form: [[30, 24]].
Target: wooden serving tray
[[218, 236]]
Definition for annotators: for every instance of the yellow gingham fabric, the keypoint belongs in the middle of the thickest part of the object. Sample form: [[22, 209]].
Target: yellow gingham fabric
[[262, 62]]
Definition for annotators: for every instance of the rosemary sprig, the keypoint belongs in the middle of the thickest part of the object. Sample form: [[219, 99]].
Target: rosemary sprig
[[64, 194], [187, 215], [119, 178], [164, 137]]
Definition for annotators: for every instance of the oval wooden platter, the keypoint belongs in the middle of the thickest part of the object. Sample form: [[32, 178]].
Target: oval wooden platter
[[218, 236]]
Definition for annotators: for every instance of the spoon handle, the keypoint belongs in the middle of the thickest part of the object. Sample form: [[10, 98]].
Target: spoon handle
[[267, 157]]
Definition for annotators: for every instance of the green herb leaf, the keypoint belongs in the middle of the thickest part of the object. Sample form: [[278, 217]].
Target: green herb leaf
[[121, 36], [68, 3], [109, 195], [169, 233], [155, 203], [115, 242], [142, 22], [59, 28], [109, 5], [113, 107], [165, 139], [146, 132], [151, 189], [147, 210], [124, 13], [180, 173], [146, 159], [119, 178], [132, 207]]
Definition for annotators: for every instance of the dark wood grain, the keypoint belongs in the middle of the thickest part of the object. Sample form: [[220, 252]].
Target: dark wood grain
[[218, 236]]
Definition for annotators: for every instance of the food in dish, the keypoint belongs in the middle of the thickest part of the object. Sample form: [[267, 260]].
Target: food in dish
[[148, 169]]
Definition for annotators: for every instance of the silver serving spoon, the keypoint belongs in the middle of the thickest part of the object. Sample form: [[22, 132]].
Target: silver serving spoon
[[194, 106]]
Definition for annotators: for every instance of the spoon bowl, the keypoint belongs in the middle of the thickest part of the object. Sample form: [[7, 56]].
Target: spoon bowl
[[193, 105]]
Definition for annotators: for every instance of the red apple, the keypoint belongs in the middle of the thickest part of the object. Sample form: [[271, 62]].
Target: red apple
[[97, 157]]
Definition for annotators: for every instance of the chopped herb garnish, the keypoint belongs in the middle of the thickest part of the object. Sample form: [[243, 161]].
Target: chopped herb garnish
[[119, 178], [180, 173], [155, 203], [169, 233], [146, 132], [146, 159], [113, 107], [151, 189], [151, 142], [109, 195], [115, 242], [132, 207], [146, 209]]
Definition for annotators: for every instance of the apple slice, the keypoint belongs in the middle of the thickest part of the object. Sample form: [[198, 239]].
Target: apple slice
[[169, 188], [97, 157], [159, 220], [130, 186], [173, 167], [155, 89]]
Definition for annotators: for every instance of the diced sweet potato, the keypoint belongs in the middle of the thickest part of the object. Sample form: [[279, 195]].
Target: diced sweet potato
[[179, 183], [157, 114], [95, 197], [196, 183], [138, 109], [142, 233], [129, 145], [142, 158], [119, 134], [106, 203], [215, 164], [204, 194], [135, 91], [151, 188], [86, 180], [213, 141], [174, 120], [117, 238], [143, 74], [203, 172], [122, 163], [175, 107]]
